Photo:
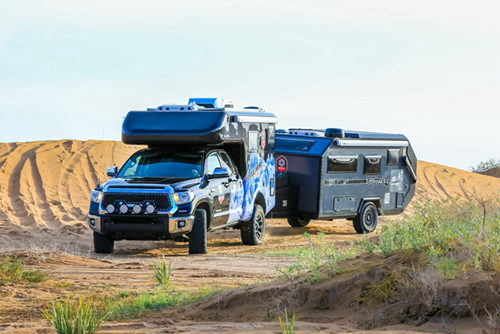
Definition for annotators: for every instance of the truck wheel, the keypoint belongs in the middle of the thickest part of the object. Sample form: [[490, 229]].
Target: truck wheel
[[198, 235], [103, 243], [366, 220], [298, 222], [252, 231]]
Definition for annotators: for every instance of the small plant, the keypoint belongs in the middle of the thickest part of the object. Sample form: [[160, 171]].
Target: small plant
[[448, 266], [125, 305], [70, 317], [124, 294], [366, 245], [162, 271], [12, 270], [287, 327]]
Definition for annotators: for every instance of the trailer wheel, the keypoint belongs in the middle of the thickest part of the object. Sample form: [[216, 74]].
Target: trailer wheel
[[366, 220], [298, 222], [252, 231], [103, 244], [198, 234]]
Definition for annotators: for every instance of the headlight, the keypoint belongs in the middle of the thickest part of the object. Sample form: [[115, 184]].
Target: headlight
[[96, 196], [183, 198]]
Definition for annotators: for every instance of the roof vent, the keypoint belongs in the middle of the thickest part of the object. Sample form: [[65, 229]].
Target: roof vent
[[175, 107], [211, 102], [258, 109], [334, 133]]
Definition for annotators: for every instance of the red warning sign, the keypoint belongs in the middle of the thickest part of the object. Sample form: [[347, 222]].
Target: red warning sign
[[281, 164]]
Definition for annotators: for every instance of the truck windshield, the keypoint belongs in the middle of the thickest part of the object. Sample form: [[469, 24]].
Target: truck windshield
[[162, 165]]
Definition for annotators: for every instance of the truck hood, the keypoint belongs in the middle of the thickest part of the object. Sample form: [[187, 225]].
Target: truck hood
[[178, 184]]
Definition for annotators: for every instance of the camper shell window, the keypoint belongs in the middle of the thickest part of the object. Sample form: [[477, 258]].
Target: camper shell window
[[253, 140], [372, 165], [342, 164]]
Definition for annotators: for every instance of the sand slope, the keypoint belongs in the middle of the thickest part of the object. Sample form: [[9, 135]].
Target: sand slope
[[45, 186]]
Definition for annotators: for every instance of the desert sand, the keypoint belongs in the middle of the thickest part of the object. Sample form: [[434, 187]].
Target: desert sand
[[45, 186], [44, 198]]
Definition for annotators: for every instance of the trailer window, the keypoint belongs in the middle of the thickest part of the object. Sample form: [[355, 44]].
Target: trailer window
[[342, 165], [392, 157], [294, 145], [372, 165]]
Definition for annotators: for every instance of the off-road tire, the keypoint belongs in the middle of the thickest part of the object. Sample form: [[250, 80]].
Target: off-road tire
[[298, 222], [103, 244], [252, 231], [366, 220], [198, 234]]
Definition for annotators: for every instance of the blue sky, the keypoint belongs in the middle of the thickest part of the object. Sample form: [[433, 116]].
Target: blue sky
[[429, 69]]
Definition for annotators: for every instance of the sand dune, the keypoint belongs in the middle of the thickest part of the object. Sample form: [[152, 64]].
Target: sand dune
[[45, 186]]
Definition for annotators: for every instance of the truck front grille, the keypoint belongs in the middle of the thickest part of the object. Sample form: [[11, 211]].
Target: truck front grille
[[162, 201]]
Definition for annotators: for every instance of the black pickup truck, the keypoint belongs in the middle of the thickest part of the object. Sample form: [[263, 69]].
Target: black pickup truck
[[206, 167]]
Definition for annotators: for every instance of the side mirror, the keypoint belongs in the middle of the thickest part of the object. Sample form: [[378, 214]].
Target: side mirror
[[112, 171], [219, 173]]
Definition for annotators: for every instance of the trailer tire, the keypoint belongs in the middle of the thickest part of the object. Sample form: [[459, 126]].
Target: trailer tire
[[103, 244], [281, 180], [366, 220], [198, 234], [252, 231], [298, 222]]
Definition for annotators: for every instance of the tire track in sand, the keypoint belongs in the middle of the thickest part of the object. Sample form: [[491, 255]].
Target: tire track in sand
[[67, 185]]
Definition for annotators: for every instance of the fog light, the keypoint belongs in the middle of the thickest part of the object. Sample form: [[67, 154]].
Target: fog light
[[123, 208], [137, 209], [92, 222], [110, 208], [181, 224], [150, 208]]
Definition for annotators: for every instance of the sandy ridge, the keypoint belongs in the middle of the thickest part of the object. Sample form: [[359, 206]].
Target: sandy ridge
[[45, 185]]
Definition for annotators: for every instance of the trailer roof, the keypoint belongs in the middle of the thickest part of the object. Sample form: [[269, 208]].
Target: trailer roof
[[347, 134]]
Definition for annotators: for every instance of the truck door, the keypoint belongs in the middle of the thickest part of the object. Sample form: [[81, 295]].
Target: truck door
[[235, 187], [219, 191]]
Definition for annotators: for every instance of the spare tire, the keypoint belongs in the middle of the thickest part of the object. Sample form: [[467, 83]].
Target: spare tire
[[281, 180]]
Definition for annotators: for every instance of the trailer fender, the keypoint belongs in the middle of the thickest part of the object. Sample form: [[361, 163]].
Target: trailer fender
[[374, 200]]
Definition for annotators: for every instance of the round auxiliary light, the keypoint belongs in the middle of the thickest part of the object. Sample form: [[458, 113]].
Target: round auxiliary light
[[137, 209], [123, 208], [150, 208], [110, 208]]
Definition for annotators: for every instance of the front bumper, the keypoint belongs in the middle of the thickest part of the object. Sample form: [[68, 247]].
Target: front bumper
[[152, 227]]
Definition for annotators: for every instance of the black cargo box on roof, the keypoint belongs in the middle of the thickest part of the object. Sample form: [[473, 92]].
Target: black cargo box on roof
[[188, 127], [149, 128]]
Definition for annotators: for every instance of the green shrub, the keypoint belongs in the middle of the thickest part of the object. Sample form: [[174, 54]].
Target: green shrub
[[366, 245], [162, 271], [75, 317], [445, 230], [133, 306], [12, 270]]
